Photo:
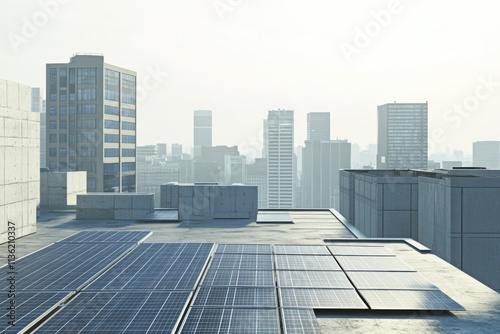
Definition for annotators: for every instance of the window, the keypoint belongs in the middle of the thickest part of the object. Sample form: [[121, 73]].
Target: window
[[86, 151], [111, 152], [128, 88], [128, 166], [63, 110], [52, 165], [63, 138], [86, 123], [110, 110], [52, 138], [111, 85], [86, 108], [53, 125], [110, 138], [53, 97], [62, 152], [91, 184], [71, 110], [128, 139], [109, 124], [72, 139], [63, 124], [88, 166], [87, 84], [87, 137], [128, 126], [71, 124], [111, 168], [53, 152], [128, 152], [128, 112], [52, 111]]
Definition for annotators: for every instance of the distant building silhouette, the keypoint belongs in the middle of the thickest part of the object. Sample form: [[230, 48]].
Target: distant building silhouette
[[318, 126], [278, 143], [91, 122], [486, 154], [38, 105], [256, 175], [176, 152], [402, 135], [202, 122]]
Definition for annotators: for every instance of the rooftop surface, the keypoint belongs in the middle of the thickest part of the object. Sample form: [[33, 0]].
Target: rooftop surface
[[482, 305]]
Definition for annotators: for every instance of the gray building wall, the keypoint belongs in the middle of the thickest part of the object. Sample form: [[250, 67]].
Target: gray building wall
[[19, 160], [58, 190]]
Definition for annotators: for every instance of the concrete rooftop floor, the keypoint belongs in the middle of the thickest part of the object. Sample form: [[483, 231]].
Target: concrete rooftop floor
[[482, 304]]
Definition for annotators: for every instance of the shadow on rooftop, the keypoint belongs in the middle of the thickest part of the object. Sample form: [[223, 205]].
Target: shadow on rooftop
[[216, 223], [389, 314]]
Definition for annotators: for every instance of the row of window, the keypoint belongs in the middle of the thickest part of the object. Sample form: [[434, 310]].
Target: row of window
[[113, 138], [115, 167], [110, 110], [115, 152]]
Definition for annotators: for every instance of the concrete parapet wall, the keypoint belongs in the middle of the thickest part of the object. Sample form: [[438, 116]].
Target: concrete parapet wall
[[58, 190], [210, 201], [122, 206]]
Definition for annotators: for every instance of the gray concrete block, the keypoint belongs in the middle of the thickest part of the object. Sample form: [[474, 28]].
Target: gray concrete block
[[397, 224], [97, 214], [186, 191], [481, 210], [123, 201], [142, 201], [397, 196], [232, 215], [123, 214]]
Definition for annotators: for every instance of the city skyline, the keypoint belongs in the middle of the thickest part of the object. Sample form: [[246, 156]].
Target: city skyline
[[240, 67]]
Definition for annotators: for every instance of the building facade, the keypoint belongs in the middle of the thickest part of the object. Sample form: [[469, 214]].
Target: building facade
[[202, 122], [279, 135], [38, 105], [91, 122], [402, 135], [318, 126], [256, 175], [486, 154]]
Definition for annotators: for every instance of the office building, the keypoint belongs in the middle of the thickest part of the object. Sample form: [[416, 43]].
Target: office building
[[402, 135], [202, 122], [278, 130], [234, 169], [152, 173], [256, 175], [486, 154], [176, 152], [91, 122], [318, 126], [19, 163], [38, 105], [321, 163]]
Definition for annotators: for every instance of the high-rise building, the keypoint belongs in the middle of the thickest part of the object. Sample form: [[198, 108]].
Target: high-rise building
[[322, 161], [91, 122], [318, 126], [280, 161], [176, 152], [38, 105], [162, 150], [202, 130], [486, 154], [256, 175], [402, 135], [234, 169]]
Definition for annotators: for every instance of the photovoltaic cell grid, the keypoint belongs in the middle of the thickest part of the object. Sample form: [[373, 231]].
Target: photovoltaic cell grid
[[314, 279], [232, 320], [117, 312], [157, 266], [321, 298], [305, 262], [389, 280], [301, 250], [242, 261], [372, 263], [244, 248], [299, 321], [236, 297], [107, 236], [410, 300], [64, 266], [360, 251], [229, 277], [29, 306]]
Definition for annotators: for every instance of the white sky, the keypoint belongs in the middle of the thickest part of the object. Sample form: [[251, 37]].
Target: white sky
[[259, 55]]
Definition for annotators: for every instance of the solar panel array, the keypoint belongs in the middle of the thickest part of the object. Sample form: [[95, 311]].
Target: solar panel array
[[107, 236], [299, 321]]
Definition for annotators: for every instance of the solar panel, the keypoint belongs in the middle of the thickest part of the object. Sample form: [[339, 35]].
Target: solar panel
[[232, 320], [157, 266], [321, 298], [244, 249], [409, 300], [242, 261], [235, 297], [64, 266], [301, 249], [360, 251], [305, 262], [107, 236], [372, 263], [389, 280], [30, 307], [238, 277], [118, 312], [274, 217], [299, 321], [314, 279]]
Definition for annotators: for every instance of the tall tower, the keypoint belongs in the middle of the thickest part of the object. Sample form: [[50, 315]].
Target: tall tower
[[402, 135], [318, 126], [280, 161], [91, 122], [202, 130]]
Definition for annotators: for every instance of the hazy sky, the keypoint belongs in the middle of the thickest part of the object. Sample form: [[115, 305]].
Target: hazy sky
[[241, 58]]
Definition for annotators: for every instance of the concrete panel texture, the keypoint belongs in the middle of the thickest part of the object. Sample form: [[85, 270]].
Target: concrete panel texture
[[123, 206]]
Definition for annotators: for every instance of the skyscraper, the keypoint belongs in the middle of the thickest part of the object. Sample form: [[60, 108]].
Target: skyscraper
[[486, 154], [176, 151], [91, 120], [402, 135], [202, 122], [280, 162], [318, 126]]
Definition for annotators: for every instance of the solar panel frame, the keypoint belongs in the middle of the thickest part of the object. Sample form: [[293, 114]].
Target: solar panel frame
[[360, 251], [152, 311], [306, 262], [103, 236], [31, 307], [233, 277], [243, 249], [389, 280], [345, 299], [67, 267], [157, 266], [410, 300], [313, 279], [231, 320], [233, 297], [372, 263], [242, 261], [301, 250], [299, 321]]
